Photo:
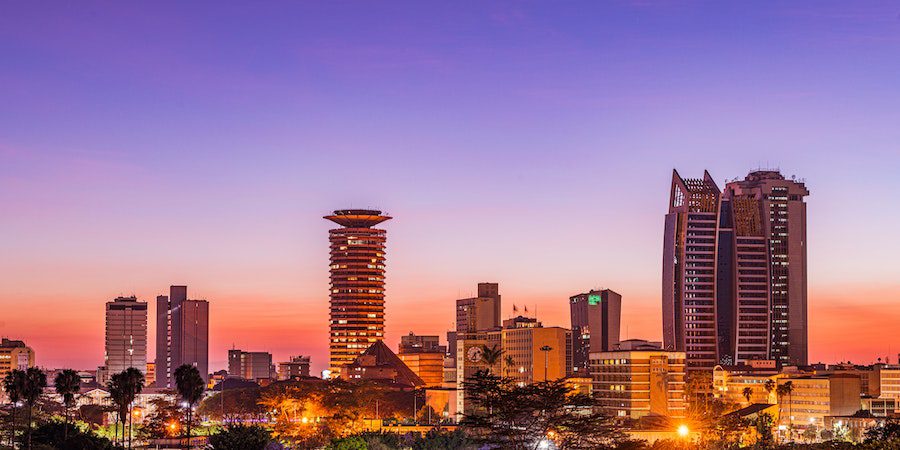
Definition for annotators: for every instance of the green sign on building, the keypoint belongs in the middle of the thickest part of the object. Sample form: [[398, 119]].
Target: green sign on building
[[594, 299]]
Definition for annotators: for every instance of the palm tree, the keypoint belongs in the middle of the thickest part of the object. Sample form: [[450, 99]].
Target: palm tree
[[510, 362], [788, 389], [491, 355], [189, 385], [35, 382], [769, 386], [134, 383], [117, 394], [67, 384], [747, 393], [123, 389], [784, 390], [14, 384]]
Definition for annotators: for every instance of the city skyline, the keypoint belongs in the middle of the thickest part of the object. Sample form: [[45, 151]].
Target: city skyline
[[535, 153]]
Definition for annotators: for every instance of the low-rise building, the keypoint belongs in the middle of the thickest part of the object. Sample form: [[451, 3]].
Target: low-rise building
[[295, 367], [813, 397], [252, 366], [634, 384], [14, 354]]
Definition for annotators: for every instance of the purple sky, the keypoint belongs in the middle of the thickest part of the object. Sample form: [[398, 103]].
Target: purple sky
[[143, 145]]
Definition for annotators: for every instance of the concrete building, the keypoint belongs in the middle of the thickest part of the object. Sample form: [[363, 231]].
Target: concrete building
[[596, 318], [357, 284], [425, 356], [813, 397], [14, 354], [252, 366], [295, 368], [126, 335], [182, 335], [429, 366], [634, 384], [150, 376], [414, 343], [734, 270], [729, 383], [481, 313], [534, 353], [889, 382], [469, 359]]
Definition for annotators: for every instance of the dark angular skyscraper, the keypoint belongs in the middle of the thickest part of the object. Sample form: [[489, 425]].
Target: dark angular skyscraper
[[734, 270], [357, 284], [596, 318], [770, 241], [182, 335]]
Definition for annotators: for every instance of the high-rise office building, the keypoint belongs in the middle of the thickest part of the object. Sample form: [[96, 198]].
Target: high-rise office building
[[734, 270], [182, 335], [481, 313], [250, 365], [126, 335], [769, 213], [596, 318], [357, 284]]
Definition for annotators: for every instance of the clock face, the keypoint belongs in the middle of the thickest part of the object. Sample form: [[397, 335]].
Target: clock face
[[474, 354]]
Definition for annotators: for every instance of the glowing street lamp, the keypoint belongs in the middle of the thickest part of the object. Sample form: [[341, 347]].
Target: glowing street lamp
[[683, 431]]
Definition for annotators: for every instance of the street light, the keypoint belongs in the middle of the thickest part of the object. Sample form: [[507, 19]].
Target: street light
[[546, 349], [683, 430]]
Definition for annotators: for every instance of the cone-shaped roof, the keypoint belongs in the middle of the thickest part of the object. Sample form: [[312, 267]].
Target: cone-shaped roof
[[385, 357]]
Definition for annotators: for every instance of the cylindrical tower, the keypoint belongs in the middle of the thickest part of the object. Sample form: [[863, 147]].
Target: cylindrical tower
[[357, 284]]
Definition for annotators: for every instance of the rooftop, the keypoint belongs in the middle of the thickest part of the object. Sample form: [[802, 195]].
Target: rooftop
[[357, 218]]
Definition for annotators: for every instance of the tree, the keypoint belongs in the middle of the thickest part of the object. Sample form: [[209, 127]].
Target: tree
[[58, 436], [887, 431], [116, 388], [164, 422], [491, 355], [747, 393], [14, 384], [784, 390], [34, 384], [189, 385], [67, 384], [134, 385], [522, 417], [240, 437], [769, 387], [763, 426]]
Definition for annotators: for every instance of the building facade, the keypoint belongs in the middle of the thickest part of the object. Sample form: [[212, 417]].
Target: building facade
[[813, 397], [357, 284], [182, 335], [596, 318], [481, 313], [250, 365], [734, 270], [634, 384], [534, 353], [296, 367], [126, 335], [14, 355]]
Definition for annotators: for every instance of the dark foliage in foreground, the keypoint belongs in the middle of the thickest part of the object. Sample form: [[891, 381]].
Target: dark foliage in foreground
[[520, 417]]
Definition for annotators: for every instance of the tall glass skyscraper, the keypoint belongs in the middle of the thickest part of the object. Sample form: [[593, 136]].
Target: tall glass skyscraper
[[734, 270]]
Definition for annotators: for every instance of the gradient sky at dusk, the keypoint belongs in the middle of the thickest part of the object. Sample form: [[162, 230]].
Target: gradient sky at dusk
[[529, 143]]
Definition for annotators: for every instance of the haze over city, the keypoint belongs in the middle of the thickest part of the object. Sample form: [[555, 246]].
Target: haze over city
[[512, 143]]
